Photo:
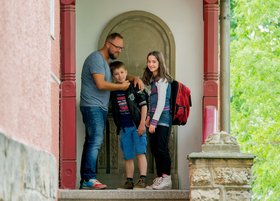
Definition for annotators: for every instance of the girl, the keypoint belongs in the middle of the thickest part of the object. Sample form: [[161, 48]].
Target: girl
[[159, 117]]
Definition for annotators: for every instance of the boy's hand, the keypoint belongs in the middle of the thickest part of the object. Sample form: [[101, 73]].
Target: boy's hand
[[141, 128]]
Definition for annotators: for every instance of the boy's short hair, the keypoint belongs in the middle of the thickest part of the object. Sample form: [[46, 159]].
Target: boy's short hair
[[116, 65]]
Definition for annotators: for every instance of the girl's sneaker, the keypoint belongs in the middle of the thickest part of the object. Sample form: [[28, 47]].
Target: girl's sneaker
[[156, 182], [164, 184]]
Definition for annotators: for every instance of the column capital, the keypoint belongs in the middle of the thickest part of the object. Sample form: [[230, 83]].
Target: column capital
[[67, 2], [210, 1]]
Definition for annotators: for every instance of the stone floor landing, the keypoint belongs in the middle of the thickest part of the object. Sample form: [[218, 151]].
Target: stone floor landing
[[122, 195]]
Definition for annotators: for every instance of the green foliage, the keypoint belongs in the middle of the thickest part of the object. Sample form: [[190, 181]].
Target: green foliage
[[255, 89]]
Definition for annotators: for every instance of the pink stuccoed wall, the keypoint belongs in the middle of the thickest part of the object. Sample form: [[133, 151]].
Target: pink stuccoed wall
[[29, 74], [55, 68]]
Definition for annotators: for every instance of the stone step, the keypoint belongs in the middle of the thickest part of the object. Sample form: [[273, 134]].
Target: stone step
[[122, 195]]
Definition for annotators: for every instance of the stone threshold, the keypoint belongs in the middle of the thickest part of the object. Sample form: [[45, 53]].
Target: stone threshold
[[87, 195]]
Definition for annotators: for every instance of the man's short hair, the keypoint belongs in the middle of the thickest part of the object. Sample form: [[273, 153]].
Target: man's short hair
[[112, 36]]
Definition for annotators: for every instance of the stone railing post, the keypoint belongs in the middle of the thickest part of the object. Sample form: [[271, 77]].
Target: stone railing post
[[220, 172]]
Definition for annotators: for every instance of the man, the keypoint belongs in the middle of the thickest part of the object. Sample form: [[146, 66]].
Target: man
[[95, 93]]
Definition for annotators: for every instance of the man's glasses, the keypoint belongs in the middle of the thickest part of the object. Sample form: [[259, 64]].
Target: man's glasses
[[118, 47]]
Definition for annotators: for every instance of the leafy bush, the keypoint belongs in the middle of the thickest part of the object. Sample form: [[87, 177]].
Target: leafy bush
[[255, 89]]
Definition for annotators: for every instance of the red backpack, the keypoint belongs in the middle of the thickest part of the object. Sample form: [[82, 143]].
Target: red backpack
[[180, 103]]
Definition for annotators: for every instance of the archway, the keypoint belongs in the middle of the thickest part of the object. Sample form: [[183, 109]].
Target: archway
[[143, 32]]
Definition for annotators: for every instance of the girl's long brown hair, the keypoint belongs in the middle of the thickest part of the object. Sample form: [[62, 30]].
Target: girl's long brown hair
[[162, 70]]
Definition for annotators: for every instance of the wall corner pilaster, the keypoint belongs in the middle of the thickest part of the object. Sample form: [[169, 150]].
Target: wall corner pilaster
[[68, 95]]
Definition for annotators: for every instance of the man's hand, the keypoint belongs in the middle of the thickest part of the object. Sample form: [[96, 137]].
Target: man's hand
[[139, 82], [124, 86], [102, 84]]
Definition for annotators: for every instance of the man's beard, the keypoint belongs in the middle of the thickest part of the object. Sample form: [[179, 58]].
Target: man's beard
[[112, 56]]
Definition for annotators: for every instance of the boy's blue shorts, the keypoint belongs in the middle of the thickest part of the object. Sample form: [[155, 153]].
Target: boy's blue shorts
[[131, 143]]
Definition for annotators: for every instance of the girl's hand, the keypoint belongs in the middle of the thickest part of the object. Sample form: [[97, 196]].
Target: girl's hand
[[147, 121], [152, 129], [141, 128]]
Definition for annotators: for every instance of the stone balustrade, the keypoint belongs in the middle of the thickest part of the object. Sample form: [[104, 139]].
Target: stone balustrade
[[220, 172]]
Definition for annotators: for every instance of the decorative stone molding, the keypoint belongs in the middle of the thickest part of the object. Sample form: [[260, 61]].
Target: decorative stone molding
[[200, 177], [232, 176], [220, 142], [220, 172], [221, 138], [205, 195]]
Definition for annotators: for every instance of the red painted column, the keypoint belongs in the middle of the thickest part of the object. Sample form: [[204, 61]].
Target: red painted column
[[210, 86], [67, 174]]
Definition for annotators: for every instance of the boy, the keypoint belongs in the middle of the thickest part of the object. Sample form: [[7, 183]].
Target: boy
[[129, 110]]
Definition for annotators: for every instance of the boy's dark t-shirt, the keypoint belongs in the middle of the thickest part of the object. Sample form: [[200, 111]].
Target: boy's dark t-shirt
[[125, 118], [126, 106]]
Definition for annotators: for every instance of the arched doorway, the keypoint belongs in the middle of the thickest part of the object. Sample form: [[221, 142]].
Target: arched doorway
[[143, 32]]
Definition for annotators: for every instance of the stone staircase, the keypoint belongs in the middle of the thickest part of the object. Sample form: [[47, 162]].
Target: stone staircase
[[122, 195]]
